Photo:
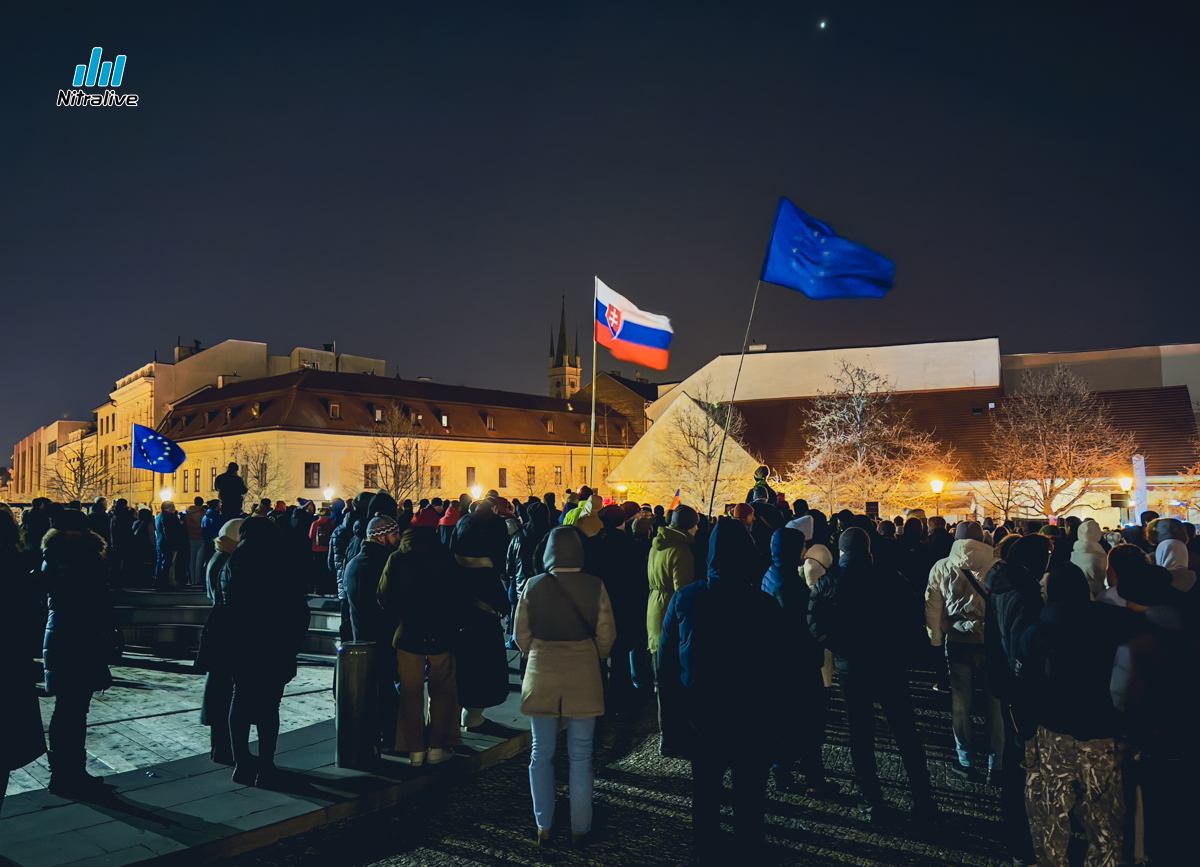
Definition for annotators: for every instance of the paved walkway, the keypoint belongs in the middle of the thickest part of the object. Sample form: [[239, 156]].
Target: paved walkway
[[165, 796]]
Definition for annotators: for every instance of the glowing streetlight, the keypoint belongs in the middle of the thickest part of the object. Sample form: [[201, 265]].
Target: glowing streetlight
[[1126, 483], [936, 485], [328, 492], [476, 492], [165, 494]]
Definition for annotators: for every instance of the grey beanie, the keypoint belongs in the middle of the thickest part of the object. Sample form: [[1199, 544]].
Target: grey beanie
[[969, 530]]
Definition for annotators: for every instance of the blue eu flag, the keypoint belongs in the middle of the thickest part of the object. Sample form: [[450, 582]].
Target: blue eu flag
[[808, 256], [153, 451]]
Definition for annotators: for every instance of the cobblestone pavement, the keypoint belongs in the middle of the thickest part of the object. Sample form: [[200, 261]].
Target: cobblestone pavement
[[643, 813]]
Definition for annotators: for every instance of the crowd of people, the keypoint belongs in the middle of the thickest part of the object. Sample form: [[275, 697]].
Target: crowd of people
[[1077, 646]]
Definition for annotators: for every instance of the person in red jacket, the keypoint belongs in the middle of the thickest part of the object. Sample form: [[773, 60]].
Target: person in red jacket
[[319, 532]]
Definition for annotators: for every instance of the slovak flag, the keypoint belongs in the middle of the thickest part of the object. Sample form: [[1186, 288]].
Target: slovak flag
[[631, 334]]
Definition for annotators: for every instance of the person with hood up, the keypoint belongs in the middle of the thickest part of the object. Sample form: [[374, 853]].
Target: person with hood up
[[521, 563], [210, 528], [35, 523], [479, 545], [727, 637], [565, 628], [805, 692], [671, 566], [231, 488], [1171, 553], [955, 606], [1014, 604], [267, 611], [120, 549], [1073, 763], [1088, 554], [447, 523], [613, 557], [761, 489], [853, 612], [587, 516], [143, 555], [417, 596], [81, 641], [218, 644]]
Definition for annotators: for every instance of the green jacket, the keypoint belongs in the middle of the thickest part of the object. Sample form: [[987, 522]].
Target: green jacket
[[671, 566]]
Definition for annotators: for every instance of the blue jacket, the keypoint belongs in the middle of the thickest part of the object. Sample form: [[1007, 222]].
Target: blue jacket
[[727, 632], [211, 525]]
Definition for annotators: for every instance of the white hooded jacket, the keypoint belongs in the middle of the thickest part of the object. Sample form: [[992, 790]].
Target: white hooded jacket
[[817, 560], [1173, 555], [1090, 557], [953, 609]]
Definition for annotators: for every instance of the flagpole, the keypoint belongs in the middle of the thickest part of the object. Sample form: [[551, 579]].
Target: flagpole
[[729, 414], [592, 443]]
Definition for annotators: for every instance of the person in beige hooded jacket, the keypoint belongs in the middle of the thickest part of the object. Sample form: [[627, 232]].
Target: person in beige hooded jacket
[[955, 600], [1090, 557]]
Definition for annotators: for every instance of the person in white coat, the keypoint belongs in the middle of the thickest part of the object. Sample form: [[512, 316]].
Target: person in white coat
[[1090, 557], [955, 602], [1173, 555]]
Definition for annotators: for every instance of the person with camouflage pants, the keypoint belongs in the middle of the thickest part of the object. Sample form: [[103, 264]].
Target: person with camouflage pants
[[1065, 774]]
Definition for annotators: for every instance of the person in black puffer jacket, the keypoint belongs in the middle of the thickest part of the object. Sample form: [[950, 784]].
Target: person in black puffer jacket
[[806, 698], [857, 611], [521, 564], [120, 532], [81, 640], [417, 593], [268, 612]]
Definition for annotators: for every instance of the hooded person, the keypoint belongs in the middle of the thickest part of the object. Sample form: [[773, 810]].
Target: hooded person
[[565, 627], [218, 644], [479, 546], [955, 608], [120, 534], [520, 559], [81, 640], [587, 521], [447, 523], [418, 596], [805, 694], [761, 489], [1172, 555], [853, 612], [614, 557], [729, 636], [1089, 556], [670, 566]]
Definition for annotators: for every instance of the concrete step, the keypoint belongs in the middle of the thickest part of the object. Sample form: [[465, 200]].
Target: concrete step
[[130, 614]]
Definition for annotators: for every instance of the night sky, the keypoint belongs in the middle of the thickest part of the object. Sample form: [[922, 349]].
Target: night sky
[[422, 182]]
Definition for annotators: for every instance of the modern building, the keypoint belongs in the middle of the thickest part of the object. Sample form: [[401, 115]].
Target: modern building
[[35, 459], [950, 390]]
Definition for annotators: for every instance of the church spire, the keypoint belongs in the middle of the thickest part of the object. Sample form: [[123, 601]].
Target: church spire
[[563, 354]]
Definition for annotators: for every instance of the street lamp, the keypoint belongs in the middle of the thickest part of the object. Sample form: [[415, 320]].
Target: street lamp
[[1126, 483], [165, 494], [476, 492], [328, 492], [936, 486]]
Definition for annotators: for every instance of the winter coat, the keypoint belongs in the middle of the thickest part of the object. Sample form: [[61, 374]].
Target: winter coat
[[267, 604], [320, 532], [671, 565], [785, 582], [210, 525], [81, 636], [193, 520], [143, 547], [100, 523], [613, 557], [857, 610], [170, 534], [479, 545], [729, 637], [361, 583], [418, 594], [339, 548], [1087, 554], [1014, 604], [1067, 666], [1172, 555], [35, 523], [21, 738], [817, 561], [565, 626], [587, 520], [230, 490], [120, 532], [522, 564], [954, 610], [446, 525]]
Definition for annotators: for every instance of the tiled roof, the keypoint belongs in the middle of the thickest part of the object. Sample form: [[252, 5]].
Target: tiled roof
[[1161, 420], [301, 401]]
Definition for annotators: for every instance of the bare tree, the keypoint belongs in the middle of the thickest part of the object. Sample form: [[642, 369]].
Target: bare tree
[[862, 449], [80, 471], [1060, 438], [1004, 487], [691, 443], [533, 475], [264, 471], [399, 456]]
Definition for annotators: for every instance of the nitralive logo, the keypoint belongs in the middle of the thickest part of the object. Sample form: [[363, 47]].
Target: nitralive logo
[[108, 74]]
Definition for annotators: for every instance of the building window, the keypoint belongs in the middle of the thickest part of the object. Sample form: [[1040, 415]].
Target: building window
[[445, 420], [503, 478], [435, 478], [378, 413], [558, 477], [51, 448], [370, 475], [531, 477], [228, 414], [312, 475], [491, 422], [212, 482], [185, 481], [583, 475], [470, 477], [255, 409], [583, 427], [335, 411], [550, 425], [196, 479]]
